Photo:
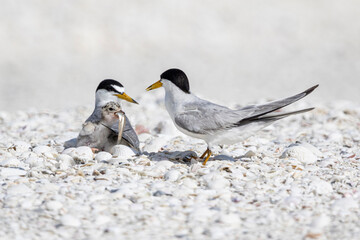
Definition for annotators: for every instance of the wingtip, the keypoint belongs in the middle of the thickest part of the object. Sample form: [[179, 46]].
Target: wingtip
[[308, 91], [309, 109]]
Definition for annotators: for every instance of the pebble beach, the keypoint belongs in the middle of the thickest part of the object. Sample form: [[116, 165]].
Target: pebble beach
[[296, 179]]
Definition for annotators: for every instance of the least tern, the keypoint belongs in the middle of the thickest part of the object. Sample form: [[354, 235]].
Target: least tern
[[108, 91], [216, 124]]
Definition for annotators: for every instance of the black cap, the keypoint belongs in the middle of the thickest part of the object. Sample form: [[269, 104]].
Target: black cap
[[110, 85], [177, 77]]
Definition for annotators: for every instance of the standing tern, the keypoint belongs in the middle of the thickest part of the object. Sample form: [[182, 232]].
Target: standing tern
[[108, 91], [216, 124]]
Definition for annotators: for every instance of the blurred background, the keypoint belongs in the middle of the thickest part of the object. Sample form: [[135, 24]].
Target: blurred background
[[54, 54]]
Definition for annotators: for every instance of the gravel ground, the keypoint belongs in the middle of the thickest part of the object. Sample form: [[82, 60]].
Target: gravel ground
[[296, 179]]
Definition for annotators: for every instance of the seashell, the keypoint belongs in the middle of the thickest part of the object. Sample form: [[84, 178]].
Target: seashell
[[230, 219], [70, 221], [172, 175], [320, 186], [292, 201], [65, 161], [10, 162], [82, 154], [68, 151], [163, 165], [21, 146], [344, 206], [53, 205], [319, 223], [268, 160], [249, 154], [42, 149], [35, 162], [216, 181], [101, 220], [336, 137], [301, 153], [122, 151], [189, 183], [19, 189], [200, 214], [26, 154], [103, 156], [312, 148], [8, 172]]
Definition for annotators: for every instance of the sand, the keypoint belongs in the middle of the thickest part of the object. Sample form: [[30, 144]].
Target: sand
[[296, 179]]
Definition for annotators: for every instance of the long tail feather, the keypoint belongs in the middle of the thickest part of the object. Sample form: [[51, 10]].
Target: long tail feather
[[276, 105], [271, 118]]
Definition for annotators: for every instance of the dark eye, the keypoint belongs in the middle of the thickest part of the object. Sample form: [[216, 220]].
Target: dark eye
[[111, 109]]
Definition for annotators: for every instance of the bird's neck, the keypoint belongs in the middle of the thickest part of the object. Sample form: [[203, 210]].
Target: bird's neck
[[103, 97], [175, 98]]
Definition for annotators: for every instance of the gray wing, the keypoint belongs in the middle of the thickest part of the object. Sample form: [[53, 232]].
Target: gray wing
[[205, 117], [95, 117], [129, 134]]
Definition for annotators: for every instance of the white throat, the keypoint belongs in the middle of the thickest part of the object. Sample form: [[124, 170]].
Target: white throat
[[102, 97], [175, 98]]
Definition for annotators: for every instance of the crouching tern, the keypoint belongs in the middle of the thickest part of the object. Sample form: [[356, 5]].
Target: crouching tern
[[101, 130], [216, 124]]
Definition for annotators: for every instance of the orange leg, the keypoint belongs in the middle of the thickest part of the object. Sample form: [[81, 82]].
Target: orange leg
[[208, 156], [203, 155]]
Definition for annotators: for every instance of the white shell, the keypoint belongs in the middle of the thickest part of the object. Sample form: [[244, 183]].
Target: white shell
[[70, 221], [344, 205], [122, 151], [10, 162], [216, 181], [319, 223], [320, 186], [172, 175], [301, 153], [35, 161], [65, 161], [103, 156], [54, 205], [82, 154], [19, 189], [22, 146], [42, 149], [8, 172], [69, 151]]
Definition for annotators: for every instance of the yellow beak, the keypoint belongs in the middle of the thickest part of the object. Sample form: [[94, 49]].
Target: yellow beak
[[154, 86], [126, 97]]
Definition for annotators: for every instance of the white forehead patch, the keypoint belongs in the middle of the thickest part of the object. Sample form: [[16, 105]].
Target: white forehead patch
[[118, 88]]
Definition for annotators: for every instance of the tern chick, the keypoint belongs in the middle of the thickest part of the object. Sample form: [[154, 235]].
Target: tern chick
[[216, 124], [103, 135]]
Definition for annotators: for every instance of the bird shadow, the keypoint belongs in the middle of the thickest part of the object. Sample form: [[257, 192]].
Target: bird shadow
[[188, 157], [180, 157]]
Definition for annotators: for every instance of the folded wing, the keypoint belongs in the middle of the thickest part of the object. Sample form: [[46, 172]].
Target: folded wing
[[206, 118]]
